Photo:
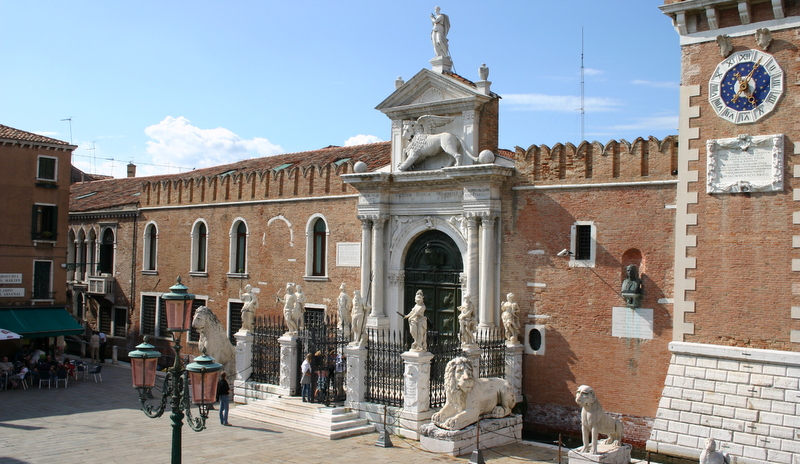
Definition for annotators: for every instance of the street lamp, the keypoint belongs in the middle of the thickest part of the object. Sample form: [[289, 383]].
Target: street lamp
[[196, 383]]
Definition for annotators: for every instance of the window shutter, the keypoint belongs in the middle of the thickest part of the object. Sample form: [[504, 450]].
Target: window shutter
[[54, 223], [35, 221]]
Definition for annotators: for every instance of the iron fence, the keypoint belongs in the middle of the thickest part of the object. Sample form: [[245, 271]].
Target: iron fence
[[266, 349], [320, 337], [493, 352], [384, 368], [443, 349]]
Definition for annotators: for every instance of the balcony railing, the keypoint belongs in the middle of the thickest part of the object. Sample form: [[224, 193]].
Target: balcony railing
[[101, 285]]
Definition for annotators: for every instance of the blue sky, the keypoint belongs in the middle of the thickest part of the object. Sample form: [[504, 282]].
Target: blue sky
[[178, 85]]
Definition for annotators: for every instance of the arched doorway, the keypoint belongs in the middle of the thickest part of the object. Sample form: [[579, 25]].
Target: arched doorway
[[433, 264]]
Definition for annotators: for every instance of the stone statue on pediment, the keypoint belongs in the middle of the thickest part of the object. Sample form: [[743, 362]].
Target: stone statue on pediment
[[441, 27]]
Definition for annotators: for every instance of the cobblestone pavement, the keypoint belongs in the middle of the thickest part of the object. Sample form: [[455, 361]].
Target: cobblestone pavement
[[92, 422]]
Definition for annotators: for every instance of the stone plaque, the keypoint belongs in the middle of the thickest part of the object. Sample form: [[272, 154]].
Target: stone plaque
[[629, 323], [348, 254], [12, 292], [10, 278], [478, 193], [745, 164], [442, 196]]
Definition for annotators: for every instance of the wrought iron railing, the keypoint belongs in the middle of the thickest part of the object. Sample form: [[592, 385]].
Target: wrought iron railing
[[266, 349], [443, 349], [384, 367], [321, 338], [493, 352]]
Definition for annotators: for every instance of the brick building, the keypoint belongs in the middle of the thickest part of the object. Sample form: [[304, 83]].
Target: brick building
[[34, 172]]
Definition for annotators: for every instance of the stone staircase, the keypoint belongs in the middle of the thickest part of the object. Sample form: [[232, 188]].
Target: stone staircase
[[313, 418]]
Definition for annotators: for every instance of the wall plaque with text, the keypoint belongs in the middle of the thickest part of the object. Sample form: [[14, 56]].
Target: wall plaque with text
[[348, 254], [745, 164]]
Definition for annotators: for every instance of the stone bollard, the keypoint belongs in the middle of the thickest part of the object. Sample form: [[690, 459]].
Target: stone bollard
[[114, 350]]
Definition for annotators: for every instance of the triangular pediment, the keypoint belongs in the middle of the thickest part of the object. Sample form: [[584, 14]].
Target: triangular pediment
[[429, 92]]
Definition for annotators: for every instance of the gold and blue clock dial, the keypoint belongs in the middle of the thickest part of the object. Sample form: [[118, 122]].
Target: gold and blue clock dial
[[746, 86]]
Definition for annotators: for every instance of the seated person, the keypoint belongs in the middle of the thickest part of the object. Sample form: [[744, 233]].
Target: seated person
[[19, 376]]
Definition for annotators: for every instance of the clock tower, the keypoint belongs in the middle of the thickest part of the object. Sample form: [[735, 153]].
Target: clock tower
[[735, 365]]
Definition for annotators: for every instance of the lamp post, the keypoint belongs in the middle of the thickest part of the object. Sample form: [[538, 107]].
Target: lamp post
[[196, 383]]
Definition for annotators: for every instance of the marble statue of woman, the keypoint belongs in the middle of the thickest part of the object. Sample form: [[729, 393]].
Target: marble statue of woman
[[359, 318], [466, 321], [418, 323], [250, 303], [345, 304], [510, 317], [300, 307], [441, 26], [289, 302]]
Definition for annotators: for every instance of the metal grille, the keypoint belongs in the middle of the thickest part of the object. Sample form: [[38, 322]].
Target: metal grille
[[234, 320], [266, 349], [583, 242], [327, 346], [493, 352], [443, 349], [384, 366], [120, 322], [149, 314]]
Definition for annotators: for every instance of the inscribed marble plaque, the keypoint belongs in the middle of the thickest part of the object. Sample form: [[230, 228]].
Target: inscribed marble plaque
[[629, 323], [745, 164], [348, 254]]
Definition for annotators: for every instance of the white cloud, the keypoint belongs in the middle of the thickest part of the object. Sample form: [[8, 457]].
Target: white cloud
[[559, 103], [652, 123], [361, 139], [657, 84], [592, 72], [176, 142]]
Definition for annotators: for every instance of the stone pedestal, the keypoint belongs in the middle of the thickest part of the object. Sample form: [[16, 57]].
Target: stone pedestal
[[514, 368], [417, 381], [607, 454], [244, 354], [485, 434], [473, 353], [355, 385], [289, 366]]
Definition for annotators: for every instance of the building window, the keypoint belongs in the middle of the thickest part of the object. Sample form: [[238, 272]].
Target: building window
[[148, 320], [105, 320], [44, 222], [150, 247], [199, 247], [47, 168], [583, 244], [42, 280], [239, 248], [234, 319], [316, 247], [106, 265], [120, 321]]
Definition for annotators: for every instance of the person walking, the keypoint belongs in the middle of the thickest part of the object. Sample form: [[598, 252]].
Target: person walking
[[103, 341], [223, 396], [94, 346]]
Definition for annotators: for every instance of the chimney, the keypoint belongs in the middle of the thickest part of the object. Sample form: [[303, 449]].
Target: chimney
[[131, 170]]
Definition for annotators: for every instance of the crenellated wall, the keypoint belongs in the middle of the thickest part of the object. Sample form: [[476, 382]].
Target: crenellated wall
[[289, 182], [616, 161]]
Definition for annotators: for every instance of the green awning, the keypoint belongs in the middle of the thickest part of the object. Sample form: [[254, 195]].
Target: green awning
[[33, 322]]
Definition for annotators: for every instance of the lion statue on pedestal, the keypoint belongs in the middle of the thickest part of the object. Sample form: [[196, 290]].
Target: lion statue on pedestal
[[469, 399], [214, 340], [595, 421]]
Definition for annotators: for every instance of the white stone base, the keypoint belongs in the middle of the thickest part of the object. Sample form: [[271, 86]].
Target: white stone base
[[607, 454], [493, 432]]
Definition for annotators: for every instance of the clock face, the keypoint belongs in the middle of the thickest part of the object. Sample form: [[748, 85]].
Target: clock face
[[746, 86]]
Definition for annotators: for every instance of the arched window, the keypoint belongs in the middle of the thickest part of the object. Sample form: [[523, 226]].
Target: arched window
[[239, 248], [319, 239], [150, 247], [106, 265], [199, 246]]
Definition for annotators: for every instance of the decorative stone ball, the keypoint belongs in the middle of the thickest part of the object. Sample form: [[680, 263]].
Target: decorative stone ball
[[486, 157], [360, 167]]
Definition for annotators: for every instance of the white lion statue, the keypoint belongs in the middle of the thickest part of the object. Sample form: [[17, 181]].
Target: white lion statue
[[595, 421], [214, 340], [423, 143], [469, 399]]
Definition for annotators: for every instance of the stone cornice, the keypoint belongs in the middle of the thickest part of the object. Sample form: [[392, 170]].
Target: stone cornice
[[456, 175]]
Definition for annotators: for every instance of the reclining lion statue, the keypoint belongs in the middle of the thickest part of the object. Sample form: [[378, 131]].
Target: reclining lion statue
[[469, 399]]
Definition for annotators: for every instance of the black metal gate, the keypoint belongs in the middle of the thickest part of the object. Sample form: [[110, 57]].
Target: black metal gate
[[326, 344], [266, 349]]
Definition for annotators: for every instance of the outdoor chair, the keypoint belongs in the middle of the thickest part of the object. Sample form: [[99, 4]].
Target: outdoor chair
[[44, 377], [95, 371], [62, 376], [81, 368]]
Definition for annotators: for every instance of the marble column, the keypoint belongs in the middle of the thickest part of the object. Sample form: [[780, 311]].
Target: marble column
[[378, 314], [486, 308], [244, 354], [472, 256], [366, 255], [416, 381], [289, 376], [355, 383], [514, 368]]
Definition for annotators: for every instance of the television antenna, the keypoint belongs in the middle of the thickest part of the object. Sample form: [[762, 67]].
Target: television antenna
[[583, 103]]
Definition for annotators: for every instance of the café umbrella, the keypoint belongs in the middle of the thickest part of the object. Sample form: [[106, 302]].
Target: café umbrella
[[9, 335]]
